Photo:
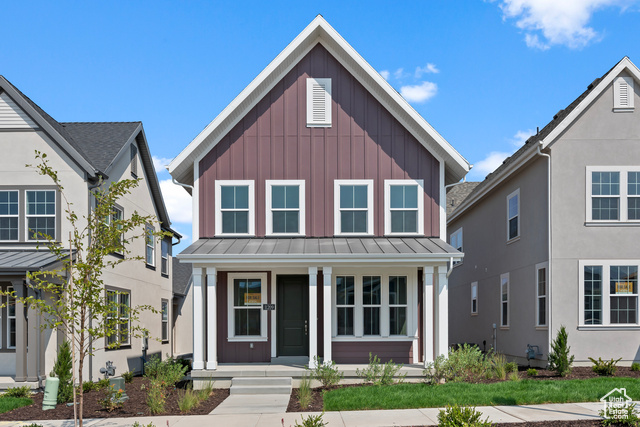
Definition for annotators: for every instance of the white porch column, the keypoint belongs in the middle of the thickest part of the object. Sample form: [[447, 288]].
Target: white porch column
[[326, 310], [427, 303], [212, 324], [313, 316], [442, 304], [198, 320]]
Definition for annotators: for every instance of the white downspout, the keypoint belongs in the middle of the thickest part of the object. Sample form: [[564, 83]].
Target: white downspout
[[549, 281]]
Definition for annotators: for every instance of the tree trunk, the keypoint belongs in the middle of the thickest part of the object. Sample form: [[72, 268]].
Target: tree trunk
[[80, 366]]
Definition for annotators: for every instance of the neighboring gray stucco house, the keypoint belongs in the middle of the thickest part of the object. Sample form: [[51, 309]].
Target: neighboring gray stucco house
[[80, 153], [551, 236]]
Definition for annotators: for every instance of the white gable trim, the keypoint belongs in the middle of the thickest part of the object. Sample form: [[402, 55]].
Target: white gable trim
[[319, 31]]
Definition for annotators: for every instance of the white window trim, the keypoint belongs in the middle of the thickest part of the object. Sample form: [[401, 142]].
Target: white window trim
[[504, 277], [231, 327], [606, 295], [164, 322], [301, 207], [27, 216], [119, 293], [458, 234], [358, 311], [17, 239], [10, 300], [387, 205], [623, 214], [474, 286], [164, 271], [541, 266], [509, 197], [122, 239], [337, 229], [618, 106], [152, 245], [326, 83], [378, 306], [218, 214]]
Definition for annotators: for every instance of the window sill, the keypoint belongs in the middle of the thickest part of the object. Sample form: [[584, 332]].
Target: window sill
[[404, 234], [150, 267], [352, 234], [165, 275], [122, 347], [474, 314], [235, 235], [117, 255], [247, 339], [390, 338], [623, 110], [542, 328], [612, 223], [515, 239], [609, 328], [504, 328], [285, 235]]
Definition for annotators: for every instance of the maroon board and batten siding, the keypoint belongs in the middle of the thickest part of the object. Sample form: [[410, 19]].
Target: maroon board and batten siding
[[273, 142]]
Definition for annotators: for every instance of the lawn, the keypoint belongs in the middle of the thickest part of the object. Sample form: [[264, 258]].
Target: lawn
[[522, 392], [9, 403]]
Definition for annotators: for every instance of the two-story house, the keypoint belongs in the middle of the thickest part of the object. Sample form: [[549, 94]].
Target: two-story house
[[318, 201], [551, 236], [81, 154]]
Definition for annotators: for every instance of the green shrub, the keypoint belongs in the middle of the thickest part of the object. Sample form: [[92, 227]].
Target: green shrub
[[511, 367], [62, 370], [128, 377], [461, 416], [206, 391], [156, 397], [24, 391], [327, 373], [499, 365], [88, 386], [465, 363], [101, 384], [436, 371], [304, 392], [560, 359], [137, 424], [312, 421], [33, 425], [532, 372], [168, 371], [184, 362], [112, 399], [378, 374], [630, 418], [187, 400], [604, 368], [635, 366], [513, 376]]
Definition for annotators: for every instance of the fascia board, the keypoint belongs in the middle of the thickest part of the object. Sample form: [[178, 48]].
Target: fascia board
[[320, 258]]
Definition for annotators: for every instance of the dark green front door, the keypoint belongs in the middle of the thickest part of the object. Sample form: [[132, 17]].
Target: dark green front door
[[293, 315]]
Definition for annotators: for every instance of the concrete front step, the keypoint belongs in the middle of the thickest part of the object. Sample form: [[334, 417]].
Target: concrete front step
[[261, 385]]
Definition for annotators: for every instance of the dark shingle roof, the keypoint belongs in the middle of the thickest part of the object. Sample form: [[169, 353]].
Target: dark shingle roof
[[457, 194], [101, 141], [181, 277]]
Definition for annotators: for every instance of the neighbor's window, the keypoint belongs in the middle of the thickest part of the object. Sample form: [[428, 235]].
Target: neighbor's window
[[513, 215], [605, 196], [614, 193], [623, 291], [234, 207], [164, 311], [404, 206], [593, 295], [134, 161], [285, 207], [504, 300], [354, 206], [41, 214], [164, 248], [474, 298], [118, 317], [371, 303], [11, 320], [150, 255], [455, 240], [345, 303], [541, 300], [9, 215], [397, 305]]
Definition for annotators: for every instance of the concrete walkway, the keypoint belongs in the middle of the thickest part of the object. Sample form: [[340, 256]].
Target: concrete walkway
[[398, 417]]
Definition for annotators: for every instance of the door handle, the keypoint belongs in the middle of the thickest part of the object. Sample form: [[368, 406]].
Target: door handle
[[306, 327]]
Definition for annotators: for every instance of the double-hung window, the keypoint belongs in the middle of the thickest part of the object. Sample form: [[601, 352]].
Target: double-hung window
[[404, 206], [541, 295], [9, 215], [353, 201], [609, 293], [371, 303], [11, 320], [116, 216], [285, 207], [513, 215], [613, 194], [118, 319], [345, 304], [164, 248], [235, 208], [41, 214], [504, 300], [397, 305], [247, 319], [455, 240], [164, 327], [150, 246], [474, 298]]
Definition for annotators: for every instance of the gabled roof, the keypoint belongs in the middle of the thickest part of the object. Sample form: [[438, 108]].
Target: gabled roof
[[181, 277], [94, 146], [319, 31], [548, 134], [457, 194]]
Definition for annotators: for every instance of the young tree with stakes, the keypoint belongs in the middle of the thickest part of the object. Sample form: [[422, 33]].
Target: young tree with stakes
[[72, 298]]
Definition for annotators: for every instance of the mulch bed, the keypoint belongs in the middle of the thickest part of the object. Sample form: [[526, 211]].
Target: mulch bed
[[135, 406], [581, 423]]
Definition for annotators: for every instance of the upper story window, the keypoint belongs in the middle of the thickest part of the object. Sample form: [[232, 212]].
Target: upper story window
[[150, 244], [353, 201], [41, 214], [513, 215], [613, 194], [164, 248], [318, 102], [455, 240], [235, 214], [404, 206], [623, 94], [134, 161], [9, 215], [285, 207]]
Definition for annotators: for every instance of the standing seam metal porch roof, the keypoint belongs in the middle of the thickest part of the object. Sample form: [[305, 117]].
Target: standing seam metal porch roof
[[13, 261], [321, 246]]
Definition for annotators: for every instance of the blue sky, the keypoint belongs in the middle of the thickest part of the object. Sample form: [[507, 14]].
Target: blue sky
[[485, 74]]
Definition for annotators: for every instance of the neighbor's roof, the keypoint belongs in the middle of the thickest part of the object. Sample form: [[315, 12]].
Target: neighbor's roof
[[21, 261], [457, 194], [181, 277], [337, 249], [319, 31], [548, 134]]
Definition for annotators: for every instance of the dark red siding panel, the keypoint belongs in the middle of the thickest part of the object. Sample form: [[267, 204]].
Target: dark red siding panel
[[358, 352], [273, 142]]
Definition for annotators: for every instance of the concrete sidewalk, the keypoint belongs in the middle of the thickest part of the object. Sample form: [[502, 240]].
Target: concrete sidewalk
[[379, 418]]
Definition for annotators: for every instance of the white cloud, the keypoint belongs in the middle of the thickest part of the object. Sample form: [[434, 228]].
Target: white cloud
[[177, 200], [419, 93], [521, 137], [560, 22], [487, 165], [427, 69], [159, 163], [385, 74], [399, 73]]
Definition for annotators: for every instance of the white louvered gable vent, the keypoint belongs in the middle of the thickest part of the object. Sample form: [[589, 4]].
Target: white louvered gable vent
[[623, 94], [318, 102]]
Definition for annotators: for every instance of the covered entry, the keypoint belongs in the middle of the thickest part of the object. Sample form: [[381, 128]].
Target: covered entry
[[292, 324]]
